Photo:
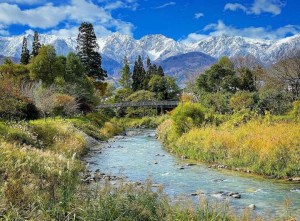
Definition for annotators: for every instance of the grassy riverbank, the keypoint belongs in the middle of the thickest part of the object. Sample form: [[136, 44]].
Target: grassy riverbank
[[257, 144], [40, 171]]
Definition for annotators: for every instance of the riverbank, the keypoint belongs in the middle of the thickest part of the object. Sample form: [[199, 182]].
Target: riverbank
[[267, 149], [41, 170]]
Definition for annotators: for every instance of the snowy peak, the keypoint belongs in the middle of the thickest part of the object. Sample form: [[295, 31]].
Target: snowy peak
[[159, 48], [266, 51]]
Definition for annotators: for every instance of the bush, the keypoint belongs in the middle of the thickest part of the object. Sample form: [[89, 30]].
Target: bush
[[241, 100], [186, 116], [296, 110]]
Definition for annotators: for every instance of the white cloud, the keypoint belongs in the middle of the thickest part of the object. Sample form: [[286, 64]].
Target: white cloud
[[25, 2], [258, 7], [166, 5], [75, 12], [3, 31], [130, 4], [199, 15], [193, 38], [220, 28], [269, 6], [234, 7]]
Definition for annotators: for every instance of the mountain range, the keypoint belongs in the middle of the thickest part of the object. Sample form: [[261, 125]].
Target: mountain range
[[176, 57]]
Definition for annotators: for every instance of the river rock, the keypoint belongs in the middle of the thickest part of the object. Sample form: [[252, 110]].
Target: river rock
[[97, 176], [219, 180], [183, 157], [294, 189], [191, 164], [237, 196], [230, 194], [294, 179], [252, 206]]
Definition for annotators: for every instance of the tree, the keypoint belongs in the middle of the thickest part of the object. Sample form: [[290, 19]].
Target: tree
[[45, 65], [241, 100], [138, 75], [286, 73], [125, 80], [74, 68], [160, 71], [36, 45], [220, 77], [164, 87], [87, 49], [141, 95], [25, 53], [247, 82], [10, 69]]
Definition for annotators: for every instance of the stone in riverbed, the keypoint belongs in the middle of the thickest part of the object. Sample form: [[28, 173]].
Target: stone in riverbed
[[237, 196], [252, 206], [191, 164]]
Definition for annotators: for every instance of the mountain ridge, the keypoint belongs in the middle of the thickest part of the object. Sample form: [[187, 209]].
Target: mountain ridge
[[159, 48]]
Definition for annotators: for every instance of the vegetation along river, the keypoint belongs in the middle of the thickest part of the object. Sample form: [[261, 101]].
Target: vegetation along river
[[141, 156]]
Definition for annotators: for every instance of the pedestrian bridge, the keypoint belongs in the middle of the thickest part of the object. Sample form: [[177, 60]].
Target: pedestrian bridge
[[149, 104]]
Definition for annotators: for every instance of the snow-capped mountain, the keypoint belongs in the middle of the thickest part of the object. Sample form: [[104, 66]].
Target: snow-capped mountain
[[159, 48], [266, 51]]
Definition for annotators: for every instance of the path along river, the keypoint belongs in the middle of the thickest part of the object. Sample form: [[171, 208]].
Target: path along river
[[141, 156]]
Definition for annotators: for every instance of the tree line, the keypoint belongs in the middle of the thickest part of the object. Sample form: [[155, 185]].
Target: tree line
[[151, 78], [46, 84], [243, 83]]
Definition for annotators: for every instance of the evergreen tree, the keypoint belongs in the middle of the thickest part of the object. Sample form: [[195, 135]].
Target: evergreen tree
[[74, 68], [138, 75], [25, 53], [160, 71], [87, 49], [36, 45], [149, 74], [125, 80]]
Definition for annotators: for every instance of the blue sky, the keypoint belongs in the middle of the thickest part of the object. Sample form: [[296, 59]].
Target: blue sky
[[188, 20]]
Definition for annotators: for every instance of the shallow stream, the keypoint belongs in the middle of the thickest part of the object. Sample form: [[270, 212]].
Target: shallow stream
[[141, 156]]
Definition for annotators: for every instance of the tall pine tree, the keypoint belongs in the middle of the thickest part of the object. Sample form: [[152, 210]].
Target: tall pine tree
[[125, 80], [25, 53], [87, 49], [36, 45], [138, 76]]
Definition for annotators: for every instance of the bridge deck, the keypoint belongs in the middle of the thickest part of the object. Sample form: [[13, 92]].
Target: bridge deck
[[154, 104]]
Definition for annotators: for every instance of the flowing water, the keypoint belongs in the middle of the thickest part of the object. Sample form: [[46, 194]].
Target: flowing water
[[141, 157]]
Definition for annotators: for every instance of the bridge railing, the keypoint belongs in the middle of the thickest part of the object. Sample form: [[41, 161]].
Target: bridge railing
[[140, 104]]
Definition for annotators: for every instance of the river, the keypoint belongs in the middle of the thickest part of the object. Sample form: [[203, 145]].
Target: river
[[141, 156]]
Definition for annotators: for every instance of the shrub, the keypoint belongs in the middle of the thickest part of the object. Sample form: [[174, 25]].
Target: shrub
[[186, 116], [241, 100], [296, 110]]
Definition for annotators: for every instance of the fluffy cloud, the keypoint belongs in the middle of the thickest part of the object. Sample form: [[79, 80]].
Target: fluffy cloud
[[49, 16], [258, 7], [269, 6], [199, 15], [234, 7], [220, 28]]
